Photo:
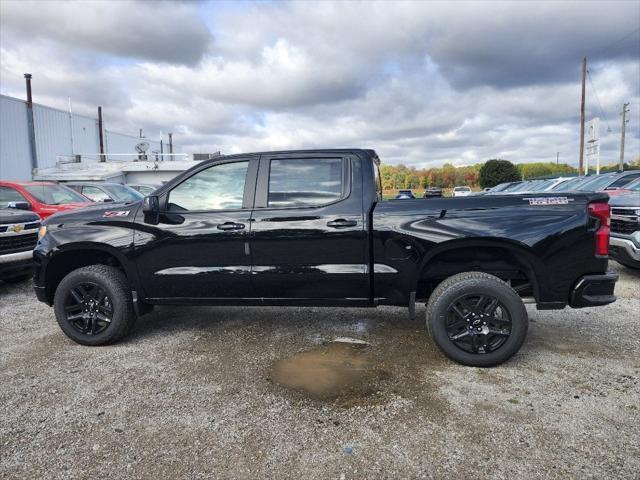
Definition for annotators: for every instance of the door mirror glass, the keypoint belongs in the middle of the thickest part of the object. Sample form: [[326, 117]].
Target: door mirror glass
[[151, 204]]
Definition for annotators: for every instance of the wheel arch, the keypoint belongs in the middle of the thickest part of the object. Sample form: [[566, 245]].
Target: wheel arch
[[493, 256], [74, 256]]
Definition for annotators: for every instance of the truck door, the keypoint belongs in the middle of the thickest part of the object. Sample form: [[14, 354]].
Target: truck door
[[308, 230], [199, 248]]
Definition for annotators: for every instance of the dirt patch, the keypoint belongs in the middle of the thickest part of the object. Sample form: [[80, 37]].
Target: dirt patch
[[336, 370]]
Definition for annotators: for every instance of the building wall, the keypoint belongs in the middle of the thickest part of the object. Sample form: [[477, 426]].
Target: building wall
[[15, 152], [53, 135], [59, 136]]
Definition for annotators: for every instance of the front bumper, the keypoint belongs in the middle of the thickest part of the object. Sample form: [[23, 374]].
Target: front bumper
[[594, 290], [624, 248], [13, 264]]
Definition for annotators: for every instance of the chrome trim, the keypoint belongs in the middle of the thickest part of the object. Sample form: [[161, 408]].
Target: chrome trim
[[628, 245], [330, 268], [13, 257], [231, 269], [21, 232]]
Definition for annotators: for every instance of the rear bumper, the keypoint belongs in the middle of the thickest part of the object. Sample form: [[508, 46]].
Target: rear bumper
[[594, 290]]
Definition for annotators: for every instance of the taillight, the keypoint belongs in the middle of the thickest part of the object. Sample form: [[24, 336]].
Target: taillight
[[601, 211]]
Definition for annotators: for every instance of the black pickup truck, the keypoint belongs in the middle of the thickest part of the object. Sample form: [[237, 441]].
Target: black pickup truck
[[312, 228]]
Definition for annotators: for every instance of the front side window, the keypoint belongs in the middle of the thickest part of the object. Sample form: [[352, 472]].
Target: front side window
[[122, 193], [220, 187], [9, 195], [305, 182], [95, 194]]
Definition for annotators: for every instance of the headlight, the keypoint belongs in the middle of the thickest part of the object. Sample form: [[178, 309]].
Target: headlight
[[42, 232]]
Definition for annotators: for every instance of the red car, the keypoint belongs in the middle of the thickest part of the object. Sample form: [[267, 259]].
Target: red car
[[43, 198]]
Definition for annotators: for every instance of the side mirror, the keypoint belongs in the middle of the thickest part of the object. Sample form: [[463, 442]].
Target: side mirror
[[151, 209], [19, 205], [151, 204], [107, 200]]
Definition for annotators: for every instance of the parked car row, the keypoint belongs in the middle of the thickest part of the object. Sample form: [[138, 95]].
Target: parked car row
[[588, 183], [23, 205]]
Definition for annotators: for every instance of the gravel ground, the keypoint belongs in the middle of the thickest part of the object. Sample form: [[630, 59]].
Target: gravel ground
[[191, 394]]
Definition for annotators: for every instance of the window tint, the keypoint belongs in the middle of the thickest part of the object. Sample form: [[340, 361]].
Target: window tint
[[55, 194], [624, 180], [220, 187], [8, 195], [94, 193], [122, 193], [305, 182]]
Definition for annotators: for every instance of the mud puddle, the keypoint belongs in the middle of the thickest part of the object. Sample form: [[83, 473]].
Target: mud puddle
[[335, 370]]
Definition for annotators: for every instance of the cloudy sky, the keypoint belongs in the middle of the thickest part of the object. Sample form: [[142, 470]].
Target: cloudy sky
[[421, 82]]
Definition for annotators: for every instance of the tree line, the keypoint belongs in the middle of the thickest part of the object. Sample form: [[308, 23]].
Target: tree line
[[395, 177]]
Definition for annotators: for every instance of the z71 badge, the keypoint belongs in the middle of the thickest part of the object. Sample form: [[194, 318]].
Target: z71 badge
[[116, 213], [548, 200]]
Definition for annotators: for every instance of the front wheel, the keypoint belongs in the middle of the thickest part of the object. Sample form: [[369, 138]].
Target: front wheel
[[476, 319], [93, 305]]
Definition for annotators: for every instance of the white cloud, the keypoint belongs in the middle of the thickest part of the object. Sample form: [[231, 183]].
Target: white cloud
[[421, 82]]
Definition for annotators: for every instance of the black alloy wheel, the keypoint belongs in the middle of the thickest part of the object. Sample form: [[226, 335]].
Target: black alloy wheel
[[94, 305], [476, 319], [88, 308], [478, 324]]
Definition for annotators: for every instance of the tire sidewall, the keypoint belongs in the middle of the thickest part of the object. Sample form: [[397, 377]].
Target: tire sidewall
[[507, 297], [116, 298]]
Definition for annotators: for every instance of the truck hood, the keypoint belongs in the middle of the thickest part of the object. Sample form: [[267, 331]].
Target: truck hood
[[631, 199], [11, 215], [96, 212]]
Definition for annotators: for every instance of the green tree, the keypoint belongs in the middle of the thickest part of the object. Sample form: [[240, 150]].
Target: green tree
[[497, 171]]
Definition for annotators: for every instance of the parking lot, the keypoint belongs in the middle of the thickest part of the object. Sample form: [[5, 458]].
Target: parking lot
[[221, 392]]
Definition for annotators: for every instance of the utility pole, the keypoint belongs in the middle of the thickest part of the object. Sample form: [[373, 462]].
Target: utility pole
[[557, 158], [31, 124], [625, 110], [584, 77], [100, 134]]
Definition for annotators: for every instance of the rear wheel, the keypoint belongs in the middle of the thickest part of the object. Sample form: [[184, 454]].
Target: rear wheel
[[476, 319], [93, 305]]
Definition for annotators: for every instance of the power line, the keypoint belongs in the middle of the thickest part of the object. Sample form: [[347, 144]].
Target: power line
[[621, 39], [606, 120]]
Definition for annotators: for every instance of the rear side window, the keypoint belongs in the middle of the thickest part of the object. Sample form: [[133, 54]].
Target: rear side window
[[8, 195], [621, 182], [305, 182]]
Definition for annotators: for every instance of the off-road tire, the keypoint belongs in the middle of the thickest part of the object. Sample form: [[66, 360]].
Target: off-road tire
[[480, 283], [115, 284]]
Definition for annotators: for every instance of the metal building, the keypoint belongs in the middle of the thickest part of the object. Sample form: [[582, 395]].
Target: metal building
[[59, 135]]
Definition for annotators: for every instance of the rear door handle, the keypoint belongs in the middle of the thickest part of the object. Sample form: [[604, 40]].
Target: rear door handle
[[342, 223], [231, 226]]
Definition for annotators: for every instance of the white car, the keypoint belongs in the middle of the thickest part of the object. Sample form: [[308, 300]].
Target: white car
[[462, 192]]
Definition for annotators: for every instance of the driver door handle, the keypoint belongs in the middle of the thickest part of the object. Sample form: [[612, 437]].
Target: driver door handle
[[231, 226], [342, 223]]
